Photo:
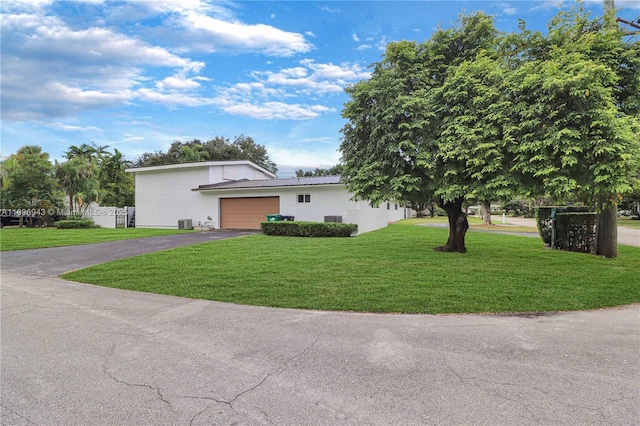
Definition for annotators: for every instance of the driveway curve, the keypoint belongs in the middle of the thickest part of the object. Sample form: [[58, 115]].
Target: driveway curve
[[76, 354], [55, 261]]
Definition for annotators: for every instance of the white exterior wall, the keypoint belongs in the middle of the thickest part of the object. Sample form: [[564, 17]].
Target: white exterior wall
[[330, 200], [234, 172], [395, 211], [164, 196], [368, 218], [325, 201]]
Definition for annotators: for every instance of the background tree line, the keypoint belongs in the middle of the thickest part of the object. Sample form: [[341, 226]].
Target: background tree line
[[216, 149], [29, 180]]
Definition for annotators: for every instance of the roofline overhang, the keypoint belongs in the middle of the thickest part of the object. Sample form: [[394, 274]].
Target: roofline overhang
[[199, 164], [251, 188]]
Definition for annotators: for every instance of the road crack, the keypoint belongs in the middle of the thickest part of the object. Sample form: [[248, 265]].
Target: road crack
[[105, 370], [12, 411], [231, 401]]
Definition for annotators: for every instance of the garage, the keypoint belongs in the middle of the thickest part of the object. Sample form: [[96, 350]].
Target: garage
[[247, 213]]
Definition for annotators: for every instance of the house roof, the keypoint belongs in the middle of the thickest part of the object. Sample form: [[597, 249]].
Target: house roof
[[271, 183], [198, 164]]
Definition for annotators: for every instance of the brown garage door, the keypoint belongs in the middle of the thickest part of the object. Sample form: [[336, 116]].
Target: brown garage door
[[247, 213]]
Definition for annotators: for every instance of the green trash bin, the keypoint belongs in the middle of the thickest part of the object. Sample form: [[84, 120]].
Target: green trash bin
[[274, 217]]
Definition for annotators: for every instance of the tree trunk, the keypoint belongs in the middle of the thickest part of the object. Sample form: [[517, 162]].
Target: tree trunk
[[485, 211], [458, 226], [607, 239], [432, 209]]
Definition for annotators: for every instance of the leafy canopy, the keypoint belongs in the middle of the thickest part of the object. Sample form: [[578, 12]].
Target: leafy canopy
[[216, 149], [473, 113]]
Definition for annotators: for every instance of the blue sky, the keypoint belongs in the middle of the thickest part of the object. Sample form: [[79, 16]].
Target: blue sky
[[139, 75]]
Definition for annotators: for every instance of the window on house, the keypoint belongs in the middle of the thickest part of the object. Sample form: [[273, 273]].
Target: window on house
[[396, 206], [304, 198], [388, 206]]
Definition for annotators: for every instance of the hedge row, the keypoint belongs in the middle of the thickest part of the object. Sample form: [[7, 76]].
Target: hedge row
[[75, 224], [308, 229]]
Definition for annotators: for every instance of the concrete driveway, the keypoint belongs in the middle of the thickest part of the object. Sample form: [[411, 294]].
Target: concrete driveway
[[75, 354]]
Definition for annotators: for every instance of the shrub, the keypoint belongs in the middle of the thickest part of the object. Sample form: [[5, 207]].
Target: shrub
[[308, 229], [75, 224]]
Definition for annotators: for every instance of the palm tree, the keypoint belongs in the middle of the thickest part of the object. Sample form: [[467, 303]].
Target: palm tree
[[193, 153], [79, 175]]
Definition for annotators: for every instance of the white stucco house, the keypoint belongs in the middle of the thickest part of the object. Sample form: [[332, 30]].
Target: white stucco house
[[240, 195]]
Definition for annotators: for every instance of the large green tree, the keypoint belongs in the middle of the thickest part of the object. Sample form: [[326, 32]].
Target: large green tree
[[575, 116], [28, 183], [429, 122], [473, 114]]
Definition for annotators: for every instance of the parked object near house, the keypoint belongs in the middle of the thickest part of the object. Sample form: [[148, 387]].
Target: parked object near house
[[241, 194]]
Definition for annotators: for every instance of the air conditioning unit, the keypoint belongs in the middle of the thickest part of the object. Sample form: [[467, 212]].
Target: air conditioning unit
[[336, 219], [185, 223]]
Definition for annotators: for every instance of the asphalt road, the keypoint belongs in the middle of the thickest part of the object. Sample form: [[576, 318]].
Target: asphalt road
[[76, 354]]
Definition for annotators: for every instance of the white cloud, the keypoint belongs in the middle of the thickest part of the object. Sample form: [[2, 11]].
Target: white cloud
[[289, 160], [128, 137], [269, 95], [102, 45], [620, 4], [272, 110], [180, 6], [92, 68], [355, 37], [70, 128], [330, 9], [261, 38], [25, 5], [371, 43], [172, 99], [313, 78], [628, 4], [549, 4], [337, 72], [382, 44], [177, 83]]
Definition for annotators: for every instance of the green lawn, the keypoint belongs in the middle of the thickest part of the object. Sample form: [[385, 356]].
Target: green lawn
[[390, 270], [627, 222], [31, 238]]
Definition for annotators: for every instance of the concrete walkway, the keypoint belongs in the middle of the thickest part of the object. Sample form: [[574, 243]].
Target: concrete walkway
[[76, 354]]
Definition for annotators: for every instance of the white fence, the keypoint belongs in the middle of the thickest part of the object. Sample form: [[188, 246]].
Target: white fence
[[108, 217]]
